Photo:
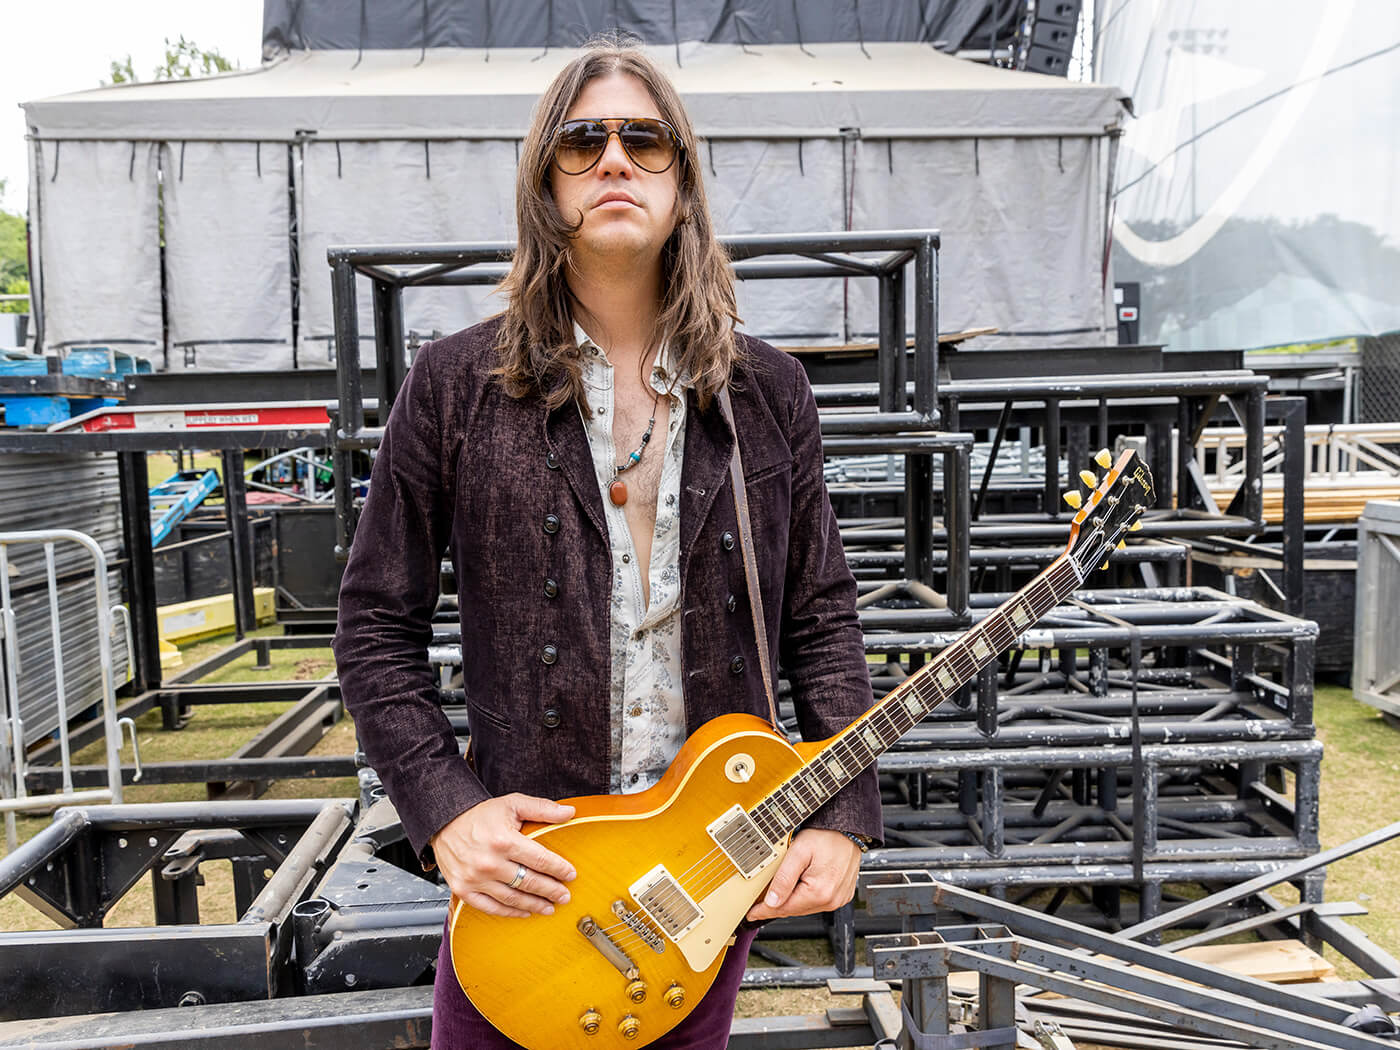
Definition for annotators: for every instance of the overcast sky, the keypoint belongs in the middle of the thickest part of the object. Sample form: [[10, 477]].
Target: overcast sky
[[57, 46]]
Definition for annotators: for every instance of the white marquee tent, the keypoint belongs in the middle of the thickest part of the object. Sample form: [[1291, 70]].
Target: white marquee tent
[[250, 176]]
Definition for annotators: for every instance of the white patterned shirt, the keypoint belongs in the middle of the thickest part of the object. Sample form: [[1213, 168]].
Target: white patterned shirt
[[646, 703]]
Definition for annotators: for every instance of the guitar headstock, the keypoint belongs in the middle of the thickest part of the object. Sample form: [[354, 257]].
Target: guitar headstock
[[1110, 510]]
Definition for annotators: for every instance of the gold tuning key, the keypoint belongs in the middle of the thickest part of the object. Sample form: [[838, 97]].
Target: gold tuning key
[[1105, 564], [1073, 498], [1089, 478], [1135, 527], [1103, 458], [1122, 545]]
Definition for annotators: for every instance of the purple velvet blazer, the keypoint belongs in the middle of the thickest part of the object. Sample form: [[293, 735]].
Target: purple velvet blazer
[[508, 490]]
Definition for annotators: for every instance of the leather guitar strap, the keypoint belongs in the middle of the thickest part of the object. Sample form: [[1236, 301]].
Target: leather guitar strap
[[741, 509]]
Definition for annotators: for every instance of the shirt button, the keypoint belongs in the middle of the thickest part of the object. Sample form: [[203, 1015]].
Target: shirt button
[[671, 499], [736, 665], [549, 654], [602, 411], [551, 589], [634, 778], [551, 718], [551, 461], [626, 559], [551, 523], [727, 541], [731, 603], [636, 711]]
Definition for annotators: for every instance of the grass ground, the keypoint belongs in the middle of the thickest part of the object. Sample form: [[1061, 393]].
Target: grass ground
[[1360, 792]]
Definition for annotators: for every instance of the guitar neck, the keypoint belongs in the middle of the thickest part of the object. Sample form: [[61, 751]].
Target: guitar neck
[[876, 731]]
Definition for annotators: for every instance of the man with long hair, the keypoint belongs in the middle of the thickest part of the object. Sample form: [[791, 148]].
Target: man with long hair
[[572, 454]]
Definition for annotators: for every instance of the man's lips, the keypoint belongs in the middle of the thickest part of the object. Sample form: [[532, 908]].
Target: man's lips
[[615, 200]]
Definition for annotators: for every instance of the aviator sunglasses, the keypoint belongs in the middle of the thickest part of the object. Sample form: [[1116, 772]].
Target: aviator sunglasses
[[651, 143]]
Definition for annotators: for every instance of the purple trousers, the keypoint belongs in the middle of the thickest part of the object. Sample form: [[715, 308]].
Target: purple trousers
[[458, 1025]]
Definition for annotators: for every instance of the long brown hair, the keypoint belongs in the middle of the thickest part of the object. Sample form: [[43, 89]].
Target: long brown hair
[[697, 309]]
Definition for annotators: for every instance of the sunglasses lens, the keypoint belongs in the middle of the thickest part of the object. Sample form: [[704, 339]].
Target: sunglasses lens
[[579, 144], [649, 143]]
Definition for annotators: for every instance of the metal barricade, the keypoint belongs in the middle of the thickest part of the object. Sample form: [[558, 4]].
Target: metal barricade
[[13, 745]]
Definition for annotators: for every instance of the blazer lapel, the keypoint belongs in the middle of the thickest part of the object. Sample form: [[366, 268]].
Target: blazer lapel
[[563, 433], [709, 444]]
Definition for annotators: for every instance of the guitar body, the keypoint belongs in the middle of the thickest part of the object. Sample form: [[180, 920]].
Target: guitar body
[[652, 910]]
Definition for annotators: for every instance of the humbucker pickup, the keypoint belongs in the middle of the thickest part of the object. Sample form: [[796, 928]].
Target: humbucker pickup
[[668, 905], [738, 836]]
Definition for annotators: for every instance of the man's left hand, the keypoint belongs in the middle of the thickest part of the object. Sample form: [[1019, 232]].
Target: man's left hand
[[818, 874]]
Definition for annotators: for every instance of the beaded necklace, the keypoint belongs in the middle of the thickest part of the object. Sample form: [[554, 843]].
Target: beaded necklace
[[617, 491]]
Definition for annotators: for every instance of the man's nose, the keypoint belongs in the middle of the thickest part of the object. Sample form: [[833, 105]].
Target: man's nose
[[615, 160]]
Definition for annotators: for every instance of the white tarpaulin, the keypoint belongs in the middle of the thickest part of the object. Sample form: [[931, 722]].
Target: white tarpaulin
[[398, 192], [394, 147], [99, 246], [227, 255], [1036, 200], [1256, 197]]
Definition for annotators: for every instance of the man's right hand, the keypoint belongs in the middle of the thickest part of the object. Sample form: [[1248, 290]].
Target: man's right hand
[[491, 866]]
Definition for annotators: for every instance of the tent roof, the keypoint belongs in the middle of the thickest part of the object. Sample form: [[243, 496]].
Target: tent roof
[[900, 90]]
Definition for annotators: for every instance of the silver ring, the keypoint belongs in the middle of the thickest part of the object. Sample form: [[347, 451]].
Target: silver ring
[[519, 877]]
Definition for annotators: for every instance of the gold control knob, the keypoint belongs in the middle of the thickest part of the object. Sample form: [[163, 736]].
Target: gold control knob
[[629, 1026], [637, 991], [675, 997], [591, 1021]]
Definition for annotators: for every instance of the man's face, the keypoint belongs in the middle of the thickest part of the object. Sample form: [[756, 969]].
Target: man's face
[[625, 210]]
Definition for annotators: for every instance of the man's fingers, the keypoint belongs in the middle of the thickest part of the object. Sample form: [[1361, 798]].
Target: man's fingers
[[491, 906], [540, 810], [537, 858], [534, 882], [785, 879]]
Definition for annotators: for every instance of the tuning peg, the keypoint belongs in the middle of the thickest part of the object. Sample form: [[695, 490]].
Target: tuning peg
[[1105, 564], [1103, 458], [1122, 545], [1089, 478], [1073, 498], [1135, 527]]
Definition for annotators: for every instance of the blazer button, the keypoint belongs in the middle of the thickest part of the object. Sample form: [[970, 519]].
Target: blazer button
[[551, 523], [549, 654], [551, 589], [736, 665], [551, 461], [727, 541], [551, 718], [731, 603]]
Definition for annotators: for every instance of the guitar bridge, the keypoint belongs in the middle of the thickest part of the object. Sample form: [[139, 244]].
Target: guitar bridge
[[663, 900], [746, 847], [640, 927]]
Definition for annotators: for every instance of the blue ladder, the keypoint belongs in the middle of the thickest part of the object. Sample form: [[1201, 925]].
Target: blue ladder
[[174, 498]]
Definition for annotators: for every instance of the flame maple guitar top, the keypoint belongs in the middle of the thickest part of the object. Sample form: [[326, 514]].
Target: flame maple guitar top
[[543, 980]]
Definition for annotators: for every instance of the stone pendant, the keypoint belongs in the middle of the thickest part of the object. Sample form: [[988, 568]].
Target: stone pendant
[[617, 492]]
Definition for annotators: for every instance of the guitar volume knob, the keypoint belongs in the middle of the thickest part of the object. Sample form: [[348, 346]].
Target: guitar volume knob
[[637, 991], [675, 997], [591, 1021], [629, 1026]]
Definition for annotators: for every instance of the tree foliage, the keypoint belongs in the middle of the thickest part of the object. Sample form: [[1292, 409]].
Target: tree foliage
[[183, 59], [14, 260]]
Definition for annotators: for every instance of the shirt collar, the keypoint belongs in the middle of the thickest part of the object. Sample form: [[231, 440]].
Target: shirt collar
[[661, 368]]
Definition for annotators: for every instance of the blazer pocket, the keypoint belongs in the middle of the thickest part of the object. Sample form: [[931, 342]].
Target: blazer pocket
[[496, 719], [766, 470]]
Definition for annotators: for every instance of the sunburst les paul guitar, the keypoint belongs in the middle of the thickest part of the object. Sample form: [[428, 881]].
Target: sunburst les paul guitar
[[666, 875]]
